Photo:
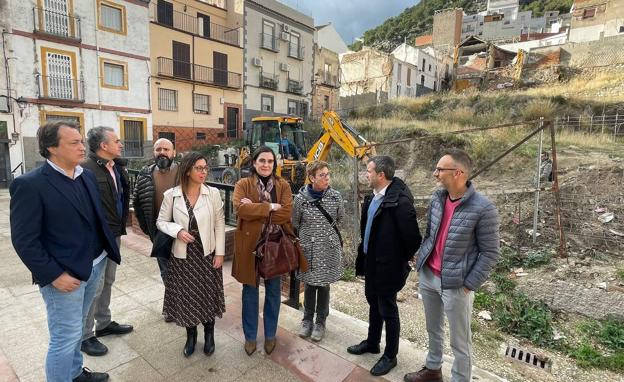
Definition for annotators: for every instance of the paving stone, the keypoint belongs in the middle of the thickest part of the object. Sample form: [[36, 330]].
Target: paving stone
[[137, 370]]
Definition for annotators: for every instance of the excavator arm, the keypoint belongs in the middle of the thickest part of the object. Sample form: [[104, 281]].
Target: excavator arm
[[338, 131]]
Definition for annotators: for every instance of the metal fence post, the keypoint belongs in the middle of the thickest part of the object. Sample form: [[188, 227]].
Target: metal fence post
[[537, 184], [356, 208], [555, 189]]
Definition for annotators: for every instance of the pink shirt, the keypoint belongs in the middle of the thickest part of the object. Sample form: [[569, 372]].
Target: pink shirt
[[109, 166], [435, 259]]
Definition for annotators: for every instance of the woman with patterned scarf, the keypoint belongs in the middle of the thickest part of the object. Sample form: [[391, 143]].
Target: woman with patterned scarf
[[255, 197]]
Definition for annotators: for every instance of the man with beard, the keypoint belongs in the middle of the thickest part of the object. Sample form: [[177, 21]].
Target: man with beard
[[151, 183], [390, 238]]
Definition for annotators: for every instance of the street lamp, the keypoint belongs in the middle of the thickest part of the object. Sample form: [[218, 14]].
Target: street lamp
[[21, 102]]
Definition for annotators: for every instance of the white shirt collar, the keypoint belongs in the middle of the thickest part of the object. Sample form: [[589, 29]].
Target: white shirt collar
[[381, 192], [77, 171]]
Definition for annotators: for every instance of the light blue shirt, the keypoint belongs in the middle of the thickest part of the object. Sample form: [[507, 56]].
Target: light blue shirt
[[372, 209]]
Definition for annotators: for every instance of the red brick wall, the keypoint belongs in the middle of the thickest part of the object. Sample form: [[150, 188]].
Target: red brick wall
[[186, 137]]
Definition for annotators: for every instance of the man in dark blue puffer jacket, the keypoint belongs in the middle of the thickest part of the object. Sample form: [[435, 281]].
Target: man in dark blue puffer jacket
[[460, 248]]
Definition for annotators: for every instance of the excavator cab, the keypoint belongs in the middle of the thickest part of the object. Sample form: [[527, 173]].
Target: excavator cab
[[285, 135]]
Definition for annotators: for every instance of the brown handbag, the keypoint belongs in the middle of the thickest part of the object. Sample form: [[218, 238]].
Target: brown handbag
[[277, 252]]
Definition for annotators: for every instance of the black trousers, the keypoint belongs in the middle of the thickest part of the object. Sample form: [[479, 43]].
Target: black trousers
[[383, 308], [316, 299]]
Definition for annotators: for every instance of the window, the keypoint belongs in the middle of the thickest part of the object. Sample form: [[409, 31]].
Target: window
[[114, 74], [167, 99], [268, 35], [200, 136], [327, 74], [422, 80], [399, 70], [423, 65], [295, 42], [621, 29], [46, 116], [59, 75], [167, 135], [429, 67], [201, 103], [326, 102], [133, 134], [409, 76], [111, 17], [303, 109], [292, 107], [589, 12], [267, 102]]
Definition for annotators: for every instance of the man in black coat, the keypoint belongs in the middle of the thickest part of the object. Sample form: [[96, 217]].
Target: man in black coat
[[390, 238], [105, 161]]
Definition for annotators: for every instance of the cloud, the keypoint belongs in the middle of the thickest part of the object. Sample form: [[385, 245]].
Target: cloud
[[351, 18]]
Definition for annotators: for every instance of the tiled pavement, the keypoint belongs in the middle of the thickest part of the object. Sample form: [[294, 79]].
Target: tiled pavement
[[153, 351]]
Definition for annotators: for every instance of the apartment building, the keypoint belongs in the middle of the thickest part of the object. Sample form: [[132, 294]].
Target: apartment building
[[415, 72], [197, 65], [279, 49], [85, 61], [594, 20]]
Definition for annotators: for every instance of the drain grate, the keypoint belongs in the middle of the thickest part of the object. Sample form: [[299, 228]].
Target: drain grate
[[526, 357]]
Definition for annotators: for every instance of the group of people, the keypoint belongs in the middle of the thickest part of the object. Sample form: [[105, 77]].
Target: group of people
[[74, 263]]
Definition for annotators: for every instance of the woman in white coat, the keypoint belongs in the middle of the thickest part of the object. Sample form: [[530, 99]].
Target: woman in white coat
[[192, 213]]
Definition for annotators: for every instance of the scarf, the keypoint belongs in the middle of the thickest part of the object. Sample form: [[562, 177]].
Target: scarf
[[264, 190]]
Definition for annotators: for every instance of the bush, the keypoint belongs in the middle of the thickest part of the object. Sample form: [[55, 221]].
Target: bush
[[536, 258], [349, 274], [620, 274], [526, 318]]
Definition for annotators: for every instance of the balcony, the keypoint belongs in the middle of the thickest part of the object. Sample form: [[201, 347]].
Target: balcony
[[268, 81], [295, 87], [269, 42], [295, 51], [328, 79], [164, 14], [198, 73], [60, 88], [56, 24]]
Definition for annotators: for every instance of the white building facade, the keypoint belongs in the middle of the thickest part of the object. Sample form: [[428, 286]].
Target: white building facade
[[415, 72], [86, 61], [278, 69]]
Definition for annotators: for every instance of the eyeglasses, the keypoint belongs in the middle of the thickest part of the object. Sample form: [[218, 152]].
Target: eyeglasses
[[201, 168], [440, 169], [265, 161], [323, 175]]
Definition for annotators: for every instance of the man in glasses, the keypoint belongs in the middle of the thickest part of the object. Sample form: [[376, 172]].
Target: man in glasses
[[460, 248]]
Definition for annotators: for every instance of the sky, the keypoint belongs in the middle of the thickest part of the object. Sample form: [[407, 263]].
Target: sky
[[351, 18]]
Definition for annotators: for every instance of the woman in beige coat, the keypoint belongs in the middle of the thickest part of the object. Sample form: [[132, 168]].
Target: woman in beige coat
[[192, 213], [255, 197]]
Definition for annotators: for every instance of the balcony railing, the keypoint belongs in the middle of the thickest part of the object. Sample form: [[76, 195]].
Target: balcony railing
[[328, 79], [270, 42], [198, 73], [56, 24], [166, 16], [60, 88], [132, 149], [268, 81], [295, 51], [295, 87]]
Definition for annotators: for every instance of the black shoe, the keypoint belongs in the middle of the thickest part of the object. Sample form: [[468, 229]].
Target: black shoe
[[209, 344], [91, 376], [191, 340], [93, 347], [383, 366], [114, 328], [363, 347]]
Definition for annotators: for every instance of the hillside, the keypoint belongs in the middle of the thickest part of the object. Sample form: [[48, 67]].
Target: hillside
[[418, 20]]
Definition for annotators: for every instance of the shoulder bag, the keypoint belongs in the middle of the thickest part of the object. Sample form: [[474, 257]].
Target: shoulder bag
[[277, 253]]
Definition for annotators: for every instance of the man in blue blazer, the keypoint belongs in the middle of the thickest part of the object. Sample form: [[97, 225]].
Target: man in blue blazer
[[59, 231]]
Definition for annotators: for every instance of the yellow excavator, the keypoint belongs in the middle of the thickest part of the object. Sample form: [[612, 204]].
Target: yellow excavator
[[287, 138]]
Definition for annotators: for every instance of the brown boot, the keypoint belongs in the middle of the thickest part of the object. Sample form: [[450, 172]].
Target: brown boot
[[250, 347], [269, 345], [424, 375]]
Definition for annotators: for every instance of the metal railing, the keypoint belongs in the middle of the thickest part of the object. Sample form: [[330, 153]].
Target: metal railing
[[199, 73], [195, 25], [270, 42], [62, 88], [592, 124], [268, 81], [295, 51], [295, 87], [56, 24], [133, 148]]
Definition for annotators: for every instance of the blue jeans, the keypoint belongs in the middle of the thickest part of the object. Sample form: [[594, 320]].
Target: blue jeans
[[67, 312], [251, 300]]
